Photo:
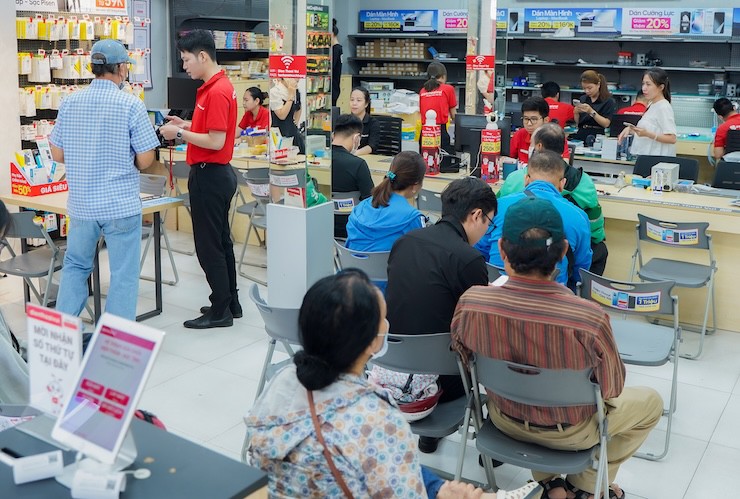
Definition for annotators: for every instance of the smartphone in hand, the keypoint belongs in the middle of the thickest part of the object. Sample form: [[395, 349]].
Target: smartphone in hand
[[576, 102]]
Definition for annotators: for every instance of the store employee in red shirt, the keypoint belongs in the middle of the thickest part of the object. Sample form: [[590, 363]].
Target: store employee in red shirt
[[535, 112], [638, 108], [212, 182], [440, 97], [560, 112], [255, 114], [730, 121]]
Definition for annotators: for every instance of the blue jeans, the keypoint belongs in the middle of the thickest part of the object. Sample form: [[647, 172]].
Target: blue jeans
[[431, 482], [123, 240]]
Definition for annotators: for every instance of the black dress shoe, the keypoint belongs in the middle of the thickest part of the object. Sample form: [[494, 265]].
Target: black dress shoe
[[206, 321], [428, 445], [236, 311]]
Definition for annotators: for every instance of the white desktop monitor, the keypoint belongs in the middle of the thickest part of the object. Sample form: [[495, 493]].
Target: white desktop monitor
[[98, 411]]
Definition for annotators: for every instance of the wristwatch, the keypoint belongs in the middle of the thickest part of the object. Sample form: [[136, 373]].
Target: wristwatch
[[593, 113], [178, 135]]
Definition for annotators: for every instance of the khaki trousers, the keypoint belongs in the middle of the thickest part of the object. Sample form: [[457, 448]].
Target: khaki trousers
[[630, 417]]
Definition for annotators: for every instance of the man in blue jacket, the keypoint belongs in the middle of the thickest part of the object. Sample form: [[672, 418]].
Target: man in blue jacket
[[545, 179]]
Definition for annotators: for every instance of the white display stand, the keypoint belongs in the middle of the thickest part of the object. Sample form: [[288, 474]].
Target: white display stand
[[300, 251]]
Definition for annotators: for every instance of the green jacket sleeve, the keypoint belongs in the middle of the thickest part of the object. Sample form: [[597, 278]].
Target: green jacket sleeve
[[586, 198], [514, 183]]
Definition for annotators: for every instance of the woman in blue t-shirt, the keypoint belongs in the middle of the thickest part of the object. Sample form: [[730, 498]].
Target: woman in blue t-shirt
[[376, 223]]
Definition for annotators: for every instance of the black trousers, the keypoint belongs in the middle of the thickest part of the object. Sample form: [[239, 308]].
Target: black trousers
[[598, 260], [211, 187]]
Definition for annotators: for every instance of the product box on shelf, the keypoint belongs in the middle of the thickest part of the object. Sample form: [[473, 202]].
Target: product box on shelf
[[35, 172], [22, 184]]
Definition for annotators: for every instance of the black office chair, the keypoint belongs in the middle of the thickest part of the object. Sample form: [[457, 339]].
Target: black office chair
[[727, 175], [688, 169], [390, 135], [733, 141]]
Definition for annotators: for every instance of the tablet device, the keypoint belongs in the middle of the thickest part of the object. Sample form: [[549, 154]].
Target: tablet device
[[98, 411]]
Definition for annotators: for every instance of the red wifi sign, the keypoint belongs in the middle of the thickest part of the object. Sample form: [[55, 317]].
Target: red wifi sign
[[287, 66], [479, 62]]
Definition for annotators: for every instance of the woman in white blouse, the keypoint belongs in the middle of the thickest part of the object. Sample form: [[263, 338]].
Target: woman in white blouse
[[655, 133]]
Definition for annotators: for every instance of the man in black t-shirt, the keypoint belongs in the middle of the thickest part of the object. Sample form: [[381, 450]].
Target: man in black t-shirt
[[430, 268], [348, 172]]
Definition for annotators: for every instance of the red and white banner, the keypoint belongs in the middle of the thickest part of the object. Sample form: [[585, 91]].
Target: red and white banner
[[287, 66], [480, 62]]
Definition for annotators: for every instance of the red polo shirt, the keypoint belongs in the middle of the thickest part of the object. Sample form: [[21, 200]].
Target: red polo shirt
[[561, 111], [638, 109], [215, 109], [261, 121], [441, 99], [731, 123], [519, 147]]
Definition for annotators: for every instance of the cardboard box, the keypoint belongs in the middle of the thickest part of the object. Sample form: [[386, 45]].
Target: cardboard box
[[20, 185]]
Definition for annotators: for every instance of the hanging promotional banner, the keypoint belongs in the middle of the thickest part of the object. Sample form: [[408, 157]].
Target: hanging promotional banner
[[453, 21], [684, 21], [398, 21], [480, 62], [502, 16], [566, 21], [111, 7], [287, 66], [37, 5]]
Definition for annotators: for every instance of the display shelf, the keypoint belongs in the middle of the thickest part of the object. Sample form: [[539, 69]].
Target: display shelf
[[430, 36], [699, 69], [623, 38], [388, 59]]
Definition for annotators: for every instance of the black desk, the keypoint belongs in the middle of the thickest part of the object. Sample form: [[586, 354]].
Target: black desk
[[181, 469]]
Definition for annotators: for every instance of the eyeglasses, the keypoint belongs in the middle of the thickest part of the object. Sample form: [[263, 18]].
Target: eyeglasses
[[490, 222], [530, 121]]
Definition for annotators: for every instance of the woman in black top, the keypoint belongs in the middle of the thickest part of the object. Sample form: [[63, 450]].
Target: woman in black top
[[336, 63], [359, 106], [597, 106], [285, 110]]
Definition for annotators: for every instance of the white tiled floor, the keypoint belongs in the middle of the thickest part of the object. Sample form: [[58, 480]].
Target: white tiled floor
[[205, 381]]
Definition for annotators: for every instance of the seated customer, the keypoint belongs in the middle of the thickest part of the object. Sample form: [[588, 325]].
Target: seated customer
[[348, 172], [532, 320], [545, 179], [359, 106], [560, 112], [730, 120], [579, 189], [323, 408], [376, 223], [535, 112], [428, 270]]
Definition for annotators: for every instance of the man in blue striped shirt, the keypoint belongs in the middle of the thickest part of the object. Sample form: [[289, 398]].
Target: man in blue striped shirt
[[103, 135]]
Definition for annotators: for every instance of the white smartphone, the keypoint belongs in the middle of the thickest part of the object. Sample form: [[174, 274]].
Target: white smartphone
[[576, 102], [98, 411]]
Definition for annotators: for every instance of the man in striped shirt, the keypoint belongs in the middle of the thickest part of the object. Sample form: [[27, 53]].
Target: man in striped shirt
[[530, 319]]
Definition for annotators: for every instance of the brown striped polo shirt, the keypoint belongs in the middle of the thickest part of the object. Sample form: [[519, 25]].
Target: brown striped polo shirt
[[539, 323]]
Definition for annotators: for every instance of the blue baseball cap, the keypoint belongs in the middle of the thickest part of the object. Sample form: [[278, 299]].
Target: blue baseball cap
[[109, 52]]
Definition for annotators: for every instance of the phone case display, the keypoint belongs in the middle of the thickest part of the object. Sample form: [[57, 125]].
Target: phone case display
[[318, 64]]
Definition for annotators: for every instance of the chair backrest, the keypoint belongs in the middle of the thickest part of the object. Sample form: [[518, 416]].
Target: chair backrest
[[536, 386], [571, 154], [154, 185], [493, 272], [419, 354], [685, 235], [428, 201], [373, 263], [618, 121], [390, 135], [258, 182], [345, 202], [733, 141], [22, 226], [688, 168], [629, 297], [180, 169], [280, 323], [727, 174]]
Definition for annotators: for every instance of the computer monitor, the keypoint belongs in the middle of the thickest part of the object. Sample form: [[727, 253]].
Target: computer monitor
[[467, 137], [181, 93]]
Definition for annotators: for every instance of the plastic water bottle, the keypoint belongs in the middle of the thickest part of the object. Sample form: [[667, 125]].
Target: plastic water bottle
[[620, 181]]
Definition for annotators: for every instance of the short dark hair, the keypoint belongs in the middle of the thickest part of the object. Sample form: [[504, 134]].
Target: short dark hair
[[550, 89], [723, 107], [197, 40], [435, 70], [408, 168], [548, 163], [464, 195], [536, 104], [338, 320], [257, 94], [534, 259], [551, 136], [104, 69], [347, 124]]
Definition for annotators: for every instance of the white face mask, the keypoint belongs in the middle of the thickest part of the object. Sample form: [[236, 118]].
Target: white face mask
[[383, 349]]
